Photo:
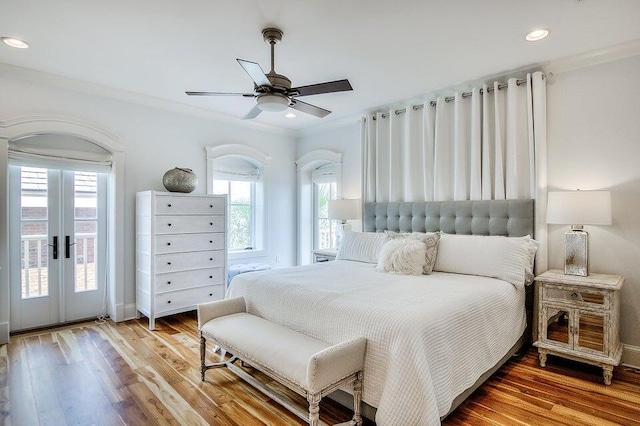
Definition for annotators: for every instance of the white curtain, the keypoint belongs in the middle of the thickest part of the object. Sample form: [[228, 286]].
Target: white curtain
[[482, 146]]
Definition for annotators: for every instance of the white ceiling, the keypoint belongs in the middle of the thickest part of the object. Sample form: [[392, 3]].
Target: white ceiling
[[389, 50]]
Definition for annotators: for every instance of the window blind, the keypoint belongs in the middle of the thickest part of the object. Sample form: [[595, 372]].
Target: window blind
[[235, 168], [65, 152]]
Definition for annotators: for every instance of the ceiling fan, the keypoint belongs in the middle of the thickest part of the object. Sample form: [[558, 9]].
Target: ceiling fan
[[273, 91]]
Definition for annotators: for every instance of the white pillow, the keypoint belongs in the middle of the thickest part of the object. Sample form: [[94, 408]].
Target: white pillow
[[429, 238], [505, 258], [361, 246], [403, 256]]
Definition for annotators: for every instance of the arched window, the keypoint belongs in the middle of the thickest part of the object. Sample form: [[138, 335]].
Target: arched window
[[319, 180], [239, 172]]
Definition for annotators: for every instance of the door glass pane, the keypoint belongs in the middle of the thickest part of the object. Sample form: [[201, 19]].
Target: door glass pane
[[591, 332], [557, 325], [85, 228], [34, 226]]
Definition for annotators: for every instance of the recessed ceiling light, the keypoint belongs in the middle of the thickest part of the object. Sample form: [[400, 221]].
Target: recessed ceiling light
[[536, 35], [15, 42], [290, 115]]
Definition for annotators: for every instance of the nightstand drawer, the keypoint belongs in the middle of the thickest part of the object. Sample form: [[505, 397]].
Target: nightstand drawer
[[578, 297]]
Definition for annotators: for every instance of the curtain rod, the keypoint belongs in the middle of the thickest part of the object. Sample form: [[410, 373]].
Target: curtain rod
[[452, 98]]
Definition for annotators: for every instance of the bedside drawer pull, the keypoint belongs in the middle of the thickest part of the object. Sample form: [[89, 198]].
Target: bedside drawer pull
[[210, 276], [168, 224], [211, 223], [168, 263], [168, 205], [574, 296], [211, 258], [210, 206], [168, 282], [210, 294], [168, 244], [168, 301]]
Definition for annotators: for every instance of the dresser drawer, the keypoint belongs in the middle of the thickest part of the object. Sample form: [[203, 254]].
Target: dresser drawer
[[190, 205], [186, 298], [576, 296], [189, 224], [174, 262], [172, 281], [171, 243]]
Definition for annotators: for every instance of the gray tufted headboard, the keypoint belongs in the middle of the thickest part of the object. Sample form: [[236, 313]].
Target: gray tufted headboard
[[512, 218]]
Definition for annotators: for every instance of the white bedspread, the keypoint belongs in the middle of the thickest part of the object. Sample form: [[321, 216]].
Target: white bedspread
[[429, 337]]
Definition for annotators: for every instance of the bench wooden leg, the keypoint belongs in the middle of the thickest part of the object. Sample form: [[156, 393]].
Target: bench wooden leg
[[357, 399], [203, 348], [314, 408]]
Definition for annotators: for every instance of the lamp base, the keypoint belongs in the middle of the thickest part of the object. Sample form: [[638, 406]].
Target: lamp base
[[341, 228], [576, 253]]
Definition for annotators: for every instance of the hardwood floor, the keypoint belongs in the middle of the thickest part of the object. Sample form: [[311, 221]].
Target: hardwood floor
[[113, 374]]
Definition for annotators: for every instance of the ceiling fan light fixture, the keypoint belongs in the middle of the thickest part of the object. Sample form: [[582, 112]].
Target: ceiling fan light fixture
[[272, 102]]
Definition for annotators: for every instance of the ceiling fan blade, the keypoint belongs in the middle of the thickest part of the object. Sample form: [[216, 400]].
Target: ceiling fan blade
[[308, 108], [246, 95], [255, 72], [320, 88], [255, 111]]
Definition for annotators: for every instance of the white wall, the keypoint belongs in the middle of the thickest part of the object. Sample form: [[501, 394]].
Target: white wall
[[594, 143], [156, 140]]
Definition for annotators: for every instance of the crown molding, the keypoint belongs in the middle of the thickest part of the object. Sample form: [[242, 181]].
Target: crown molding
[[39, 77], [592, 58]]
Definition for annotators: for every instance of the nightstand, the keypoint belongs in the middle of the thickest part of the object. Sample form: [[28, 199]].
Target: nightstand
[[324, 255], [579, 319]]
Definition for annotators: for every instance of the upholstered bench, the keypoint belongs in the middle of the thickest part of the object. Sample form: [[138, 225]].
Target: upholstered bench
[[305, 365]]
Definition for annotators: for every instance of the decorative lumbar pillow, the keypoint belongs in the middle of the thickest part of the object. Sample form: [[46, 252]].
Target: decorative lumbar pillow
[[361, 246], [402, 256], [505, 258], [431, 239]]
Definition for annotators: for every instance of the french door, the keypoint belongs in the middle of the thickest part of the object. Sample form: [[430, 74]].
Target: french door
[[57, 238]]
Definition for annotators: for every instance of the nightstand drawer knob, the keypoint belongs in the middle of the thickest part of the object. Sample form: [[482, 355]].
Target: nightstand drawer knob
[[574, 296]]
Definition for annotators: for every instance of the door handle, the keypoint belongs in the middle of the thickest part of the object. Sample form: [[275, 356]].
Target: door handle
[[67, 246], [55, 248]]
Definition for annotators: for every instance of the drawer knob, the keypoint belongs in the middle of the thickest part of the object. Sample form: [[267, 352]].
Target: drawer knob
[[168, 301], [210, 294], [574, 296], [169, 224], [211, 223], [210, 276], [210, 206], [168, 263], [168, 244], [210, 242], [168, 205], [168, 282], [211, 258]]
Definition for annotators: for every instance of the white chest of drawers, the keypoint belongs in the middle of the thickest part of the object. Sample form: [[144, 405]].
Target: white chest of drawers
[[181, 254]]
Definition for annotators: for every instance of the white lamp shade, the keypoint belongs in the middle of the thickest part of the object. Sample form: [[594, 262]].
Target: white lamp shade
[[579, 208], [343, 209]]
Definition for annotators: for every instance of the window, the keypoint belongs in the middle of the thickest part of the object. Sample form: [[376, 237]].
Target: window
[[324, 229], [241, 180], [325, 188], [241, 212]]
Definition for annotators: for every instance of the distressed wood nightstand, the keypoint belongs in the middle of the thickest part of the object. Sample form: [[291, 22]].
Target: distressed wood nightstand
[[579, 319], [324, 255]]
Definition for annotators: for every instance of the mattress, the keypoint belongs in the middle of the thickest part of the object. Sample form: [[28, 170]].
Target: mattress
[[429, 337]]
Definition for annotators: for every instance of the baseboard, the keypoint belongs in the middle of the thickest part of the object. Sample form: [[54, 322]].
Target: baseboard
[[130, 311], [4, 333], [631, 356]]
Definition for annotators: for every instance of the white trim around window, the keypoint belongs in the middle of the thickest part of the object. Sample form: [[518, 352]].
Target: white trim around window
[[244, 164]]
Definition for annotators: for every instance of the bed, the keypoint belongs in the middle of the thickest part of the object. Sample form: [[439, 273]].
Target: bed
[[431, 339]]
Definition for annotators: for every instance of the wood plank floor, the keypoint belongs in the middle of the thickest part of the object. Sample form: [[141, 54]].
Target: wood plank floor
[[115, 374]]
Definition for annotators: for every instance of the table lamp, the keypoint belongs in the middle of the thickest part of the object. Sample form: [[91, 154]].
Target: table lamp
[[343, 210], [578, 208]]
